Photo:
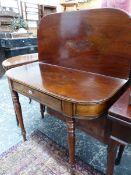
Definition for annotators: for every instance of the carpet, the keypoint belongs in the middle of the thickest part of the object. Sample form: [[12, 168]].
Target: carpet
[[40, 156]]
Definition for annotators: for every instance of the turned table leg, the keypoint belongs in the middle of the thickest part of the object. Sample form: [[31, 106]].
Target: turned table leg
[[18, 111], [71, 140], [112, 151], [114, 143]]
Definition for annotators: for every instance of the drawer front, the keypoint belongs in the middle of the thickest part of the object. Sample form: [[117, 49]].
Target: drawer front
[[38, 96], [121, 131]]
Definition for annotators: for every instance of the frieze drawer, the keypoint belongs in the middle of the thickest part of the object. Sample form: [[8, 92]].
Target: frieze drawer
[[38, 96]]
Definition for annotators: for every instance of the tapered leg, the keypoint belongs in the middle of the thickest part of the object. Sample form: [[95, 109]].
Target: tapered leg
[[42, 110], [71, 140], [112, 151], [18, 111], [114, 144], [119, 156]]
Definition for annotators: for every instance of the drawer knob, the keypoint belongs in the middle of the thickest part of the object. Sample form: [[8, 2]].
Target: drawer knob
[[30, 92]]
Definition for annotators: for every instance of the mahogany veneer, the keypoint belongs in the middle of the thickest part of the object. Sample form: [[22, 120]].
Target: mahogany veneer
[[83, 68], [68, 87], [19, 60]]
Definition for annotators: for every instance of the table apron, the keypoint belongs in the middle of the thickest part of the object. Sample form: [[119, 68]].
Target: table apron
[[67, 108], [37, 96]]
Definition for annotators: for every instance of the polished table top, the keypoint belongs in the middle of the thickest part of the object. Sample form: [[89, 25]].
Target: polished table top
[[66, 83], [20, 60]]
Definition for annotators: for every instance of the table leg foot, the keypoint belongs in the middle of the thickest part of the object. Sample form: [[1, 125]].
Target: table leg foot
[[72, 170], [30, 100], [42, 110]]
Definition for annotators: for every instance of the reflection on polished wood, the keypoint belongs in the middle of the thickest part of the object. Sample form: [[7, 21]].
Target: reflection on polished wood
[[19, 60], [82, 91], [83, 68]]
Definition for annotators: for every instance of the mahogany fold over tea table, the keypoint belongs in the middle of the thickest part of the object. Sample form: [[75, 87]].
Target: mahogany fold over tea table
[[83, 68], [46, 84]]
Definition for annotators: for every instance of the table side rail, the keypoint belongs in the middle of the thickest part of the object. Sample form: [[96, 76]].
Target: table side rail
[[37, 96]]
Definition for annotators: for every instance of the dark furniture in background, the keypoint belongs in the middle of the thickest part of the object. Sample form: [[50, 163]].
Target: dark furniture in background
[[18, 46], [77, 76], [13, 44], [2, 58], [120, 117]]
